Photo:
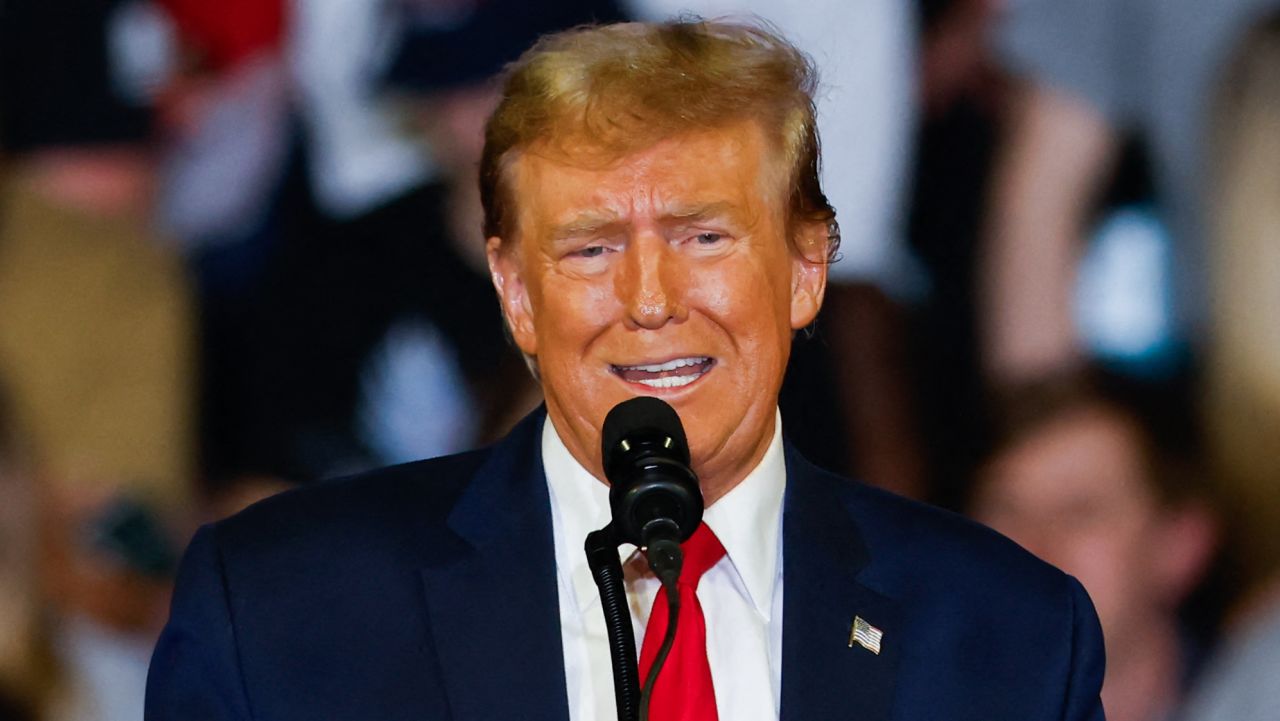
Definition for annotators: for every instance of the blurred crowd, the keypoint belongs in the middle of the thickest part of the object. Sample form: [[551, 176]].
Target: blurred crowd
[[240, 251]]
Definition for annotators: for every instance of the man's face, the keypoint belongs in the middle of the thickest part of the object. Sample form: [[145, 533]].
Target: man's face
[[668, 273]]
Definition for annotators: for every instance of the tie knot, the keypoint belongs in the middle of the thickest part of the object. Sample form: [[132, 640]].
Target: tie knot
[[702, 551]]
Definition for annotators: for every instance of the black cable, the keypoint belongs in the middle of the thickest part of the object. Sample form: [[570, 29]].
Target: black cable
[[673, 618]]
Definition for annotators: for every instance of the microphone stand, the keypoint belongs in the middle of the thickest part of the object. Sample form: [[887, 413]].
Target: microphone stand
[[602, 556]]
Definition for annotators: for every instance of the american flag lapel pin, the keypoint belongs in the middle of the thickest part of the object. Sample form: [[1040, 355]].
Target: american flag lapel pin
[[865, 635]]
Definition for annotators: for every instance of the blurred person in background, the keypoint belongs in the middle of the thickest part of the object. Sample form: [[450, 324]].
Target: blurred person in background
[[356, 324], [867, 110], [1243, 399], [1079, 481], [1095, 77], [287, 181], [225, 136], [94, 314]]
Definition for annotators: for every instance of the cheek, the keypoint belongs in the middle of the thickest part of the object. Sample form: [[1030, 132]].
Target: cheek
[[1109, 565], [746, 295], [570, 315]]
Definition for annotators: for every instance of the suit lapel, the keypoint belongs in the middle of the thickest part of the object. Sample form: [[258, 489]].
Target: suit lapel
[[493, 604], [823, 677]]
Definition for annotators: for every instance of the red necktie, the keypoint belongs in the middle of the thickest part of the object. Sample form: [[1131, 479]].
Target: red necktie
[[683, 691]]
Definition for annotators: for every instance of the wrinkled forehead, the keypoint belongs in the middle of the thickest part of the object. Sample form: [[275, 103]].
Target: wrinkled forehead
[[733, 167]]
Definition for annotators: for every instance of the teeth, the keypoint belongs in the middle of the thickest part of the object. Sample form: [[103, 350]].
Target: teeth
[[669, 365], [670, 381]]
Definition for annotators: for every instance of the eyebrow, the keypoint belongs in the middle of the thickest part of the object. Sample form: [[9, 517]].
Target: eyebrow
[[693, 213], [588, 223], [592, 223]]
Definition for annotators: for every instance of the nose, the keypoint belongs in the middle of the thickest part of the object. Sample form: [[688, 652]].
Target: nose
[[650, 283]]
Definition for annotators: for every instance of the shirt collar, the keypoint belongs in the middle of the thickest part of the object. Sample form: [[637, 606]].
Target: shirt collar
[[579, 505], [746, 519]]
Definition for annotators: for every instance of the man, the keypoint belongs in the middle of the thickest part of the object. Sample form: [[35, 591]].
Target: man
[[656, 227], [1081, 482], [1091, 75]]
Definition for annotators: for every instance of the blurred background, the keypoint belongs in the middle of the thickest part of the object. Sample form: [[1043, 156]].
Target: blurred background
[[240, 251]]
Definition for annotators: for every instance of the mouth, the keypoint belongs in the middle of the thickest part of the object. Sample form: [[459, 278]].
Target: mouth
[[674, 373]]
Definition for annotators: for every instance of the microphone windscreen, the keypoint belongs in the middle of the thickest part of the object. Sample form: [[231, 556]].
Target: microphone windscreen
[[642, 416]]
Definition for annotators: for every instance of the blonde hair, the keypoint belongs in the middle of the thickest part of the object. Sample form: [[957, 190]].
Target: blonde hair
[[608, 91]]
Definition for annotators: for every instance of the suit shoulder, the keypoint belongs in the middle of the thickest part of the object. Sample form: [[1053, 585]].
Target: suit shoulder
[[362, 506], [923, 547], [969, 609]]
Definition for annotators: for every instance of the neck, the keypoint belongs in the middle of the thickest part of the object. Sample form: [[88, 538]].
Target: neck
[[1144, 676]]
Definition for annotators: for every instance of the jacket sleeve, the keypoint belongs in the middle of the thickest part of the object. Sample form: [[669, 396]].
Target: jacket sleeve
[[195, 669], [1084, 683]]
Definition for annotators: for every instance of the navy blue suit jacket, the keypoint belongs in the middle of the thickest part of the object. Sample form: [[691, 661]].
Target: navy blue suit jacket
[[428, 591]]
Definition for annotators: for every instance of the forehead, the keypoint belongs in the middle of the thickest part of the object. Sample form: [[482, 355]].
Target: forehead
[[732, 168], [1085, 454]]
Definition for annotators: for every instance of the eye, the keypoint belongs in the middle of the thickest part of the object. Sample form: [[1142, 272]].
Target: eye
[[706, 243], [591, 251]]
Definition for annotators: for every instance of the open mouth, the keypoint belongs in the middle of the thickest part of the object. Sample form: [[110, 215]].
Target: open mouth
[[674, 373]]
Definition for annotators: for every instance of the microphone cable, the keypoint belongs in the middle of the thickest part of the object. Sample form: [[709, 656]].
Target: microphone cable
[[673, 619]]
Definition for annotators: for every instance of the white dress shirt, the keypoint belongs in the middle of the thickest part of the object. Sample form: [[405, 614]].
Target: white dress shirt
[[741, 595]]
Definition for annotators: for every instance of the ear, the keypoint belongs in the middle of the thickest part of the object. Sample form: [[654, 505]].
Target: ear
[[505, 269], [1188, 540], [808, 273]]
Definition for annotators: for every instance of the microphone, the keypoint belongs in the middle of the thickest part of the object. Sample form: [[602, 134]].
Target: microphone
[[656, 504], [653, 493]]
